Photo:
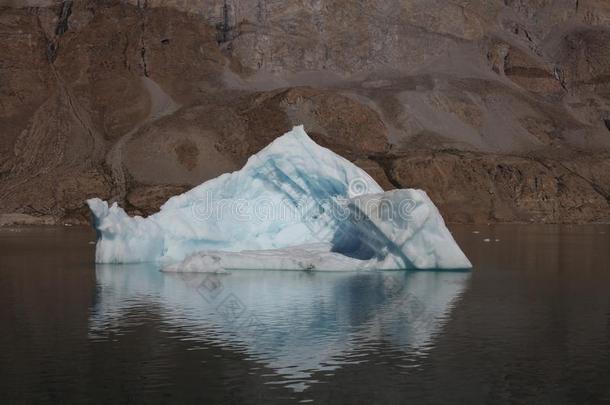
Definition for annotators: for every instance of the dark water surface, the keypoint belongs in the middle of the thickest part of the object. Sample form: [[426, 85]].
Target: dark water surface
[[530, 324]]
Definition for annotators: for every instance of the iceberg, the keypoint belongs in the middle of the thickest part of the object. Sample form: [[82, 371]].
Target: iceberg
[[294, 206]]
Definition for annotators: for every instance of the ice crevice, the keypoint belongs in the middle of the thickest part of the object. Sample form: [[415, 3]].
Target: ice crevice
[[294, 206]]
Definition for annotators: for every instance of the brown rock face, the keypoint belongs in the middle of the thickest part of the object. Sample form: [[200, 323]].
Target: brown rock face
[[499, 109], [490, 188], [147, 200], [333, 120]]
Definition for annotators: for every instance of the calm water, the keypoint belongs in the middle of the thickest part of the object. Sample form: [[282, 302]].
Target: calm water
[[530, 324]]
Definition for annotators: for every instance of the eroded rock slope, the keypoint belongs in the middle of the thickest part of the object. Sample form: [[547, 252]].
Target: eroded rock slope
[[500, 109]]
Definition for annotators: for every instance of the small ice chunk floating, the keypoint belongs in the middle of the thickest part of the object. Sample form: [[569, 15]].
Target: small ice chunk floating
[[294, 206]]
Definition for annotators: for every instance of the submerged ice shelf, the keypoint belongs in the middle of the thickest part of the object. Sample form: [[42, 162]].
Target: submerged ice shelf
[[295, 206]]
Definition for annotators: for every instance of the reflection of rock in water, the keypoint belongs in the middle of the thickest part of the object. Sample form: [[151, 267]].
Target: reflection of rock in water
[[296, 323]]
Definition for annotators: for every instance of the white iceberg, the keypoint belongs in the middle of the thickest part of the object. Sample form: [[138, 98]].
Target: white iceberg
[[295, 205]]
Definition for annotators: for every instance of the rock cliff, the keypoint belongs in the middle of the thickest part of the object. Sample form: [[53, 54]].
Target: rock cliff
[[500, 109]]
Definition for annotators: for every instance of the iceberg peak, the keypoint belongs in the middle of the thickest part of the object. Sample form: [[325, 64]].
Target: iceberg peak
[[294, 205]]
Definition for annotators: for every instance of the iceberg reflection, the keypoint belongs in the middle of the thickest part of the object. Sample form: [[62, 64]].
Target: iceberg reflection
[[296, 323]]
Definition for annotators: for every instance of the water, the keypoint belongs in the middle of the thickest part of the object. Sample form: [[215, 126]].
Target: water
[[531, 324]]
